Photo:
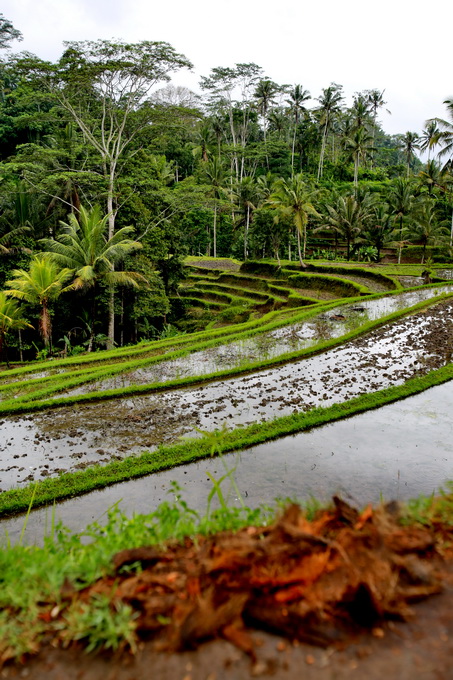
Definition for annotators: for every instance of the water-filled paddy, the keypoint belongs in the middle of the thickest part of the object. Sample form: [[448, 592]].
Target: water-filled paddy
[[71, 438], [268, 345], [398, 452]]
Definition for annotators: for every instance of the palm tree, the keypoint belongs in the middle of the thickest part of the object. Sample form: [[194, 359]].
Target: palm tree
[[10, 319], [376, 101], [40, 285], [360, 112], [83, 248], [358, 145], [265, 96], [429, 136], [246, 196], [204, 138], [445, 135], [401, 203], [294, 198], [425, 227], [330, 101], [297, 97], [379, 229], [433, 177], [409, 143], [348, 217], [215, 175]]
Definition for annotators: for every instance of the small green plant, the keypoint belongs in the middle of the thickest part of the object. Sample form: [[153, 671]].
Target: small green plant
[[102, 623], [215, 439], [169, 331], [41, 353]]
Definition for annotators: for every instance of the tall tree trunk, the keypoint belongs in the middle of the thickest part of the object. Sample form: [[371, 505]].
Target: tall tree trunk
[[323, 150], [247, 224], [299, 250], [111, 218], [215, 229], [111, 326]]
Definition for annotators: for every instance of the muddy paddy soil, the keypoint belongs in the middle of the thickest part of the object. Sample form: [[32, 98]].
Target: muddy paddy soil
[[267, 345], [71, 438]]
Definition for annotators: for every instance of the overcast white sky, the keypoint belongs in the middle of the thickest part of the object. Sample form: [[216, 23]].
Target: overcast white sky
[[402, 46]]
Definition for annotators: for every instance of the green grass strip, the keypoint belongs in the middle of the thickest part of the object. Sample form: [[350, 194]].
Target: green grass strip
[[166, 457]]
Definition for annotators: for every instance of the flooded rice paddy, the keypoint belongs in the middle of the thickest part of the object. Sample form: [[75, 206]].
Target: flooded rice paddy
[[268, 345], [72, 438], [398, 451]]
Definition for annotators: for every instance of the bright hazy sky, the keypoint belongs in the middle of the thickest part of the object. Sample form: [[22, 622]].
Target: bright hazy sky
[[400, 46]]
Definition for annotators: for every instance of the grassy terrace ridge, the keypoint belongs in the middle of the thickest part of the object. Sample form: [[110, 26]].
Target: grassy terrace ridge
[[244, 292], [69, 485], [285, 273], [39, 400]]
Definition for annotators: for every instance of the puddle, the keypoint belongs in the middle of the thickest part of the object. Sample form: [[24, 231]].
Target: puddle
[[71, 438], [444, 273], [397, 452], [411, 281]]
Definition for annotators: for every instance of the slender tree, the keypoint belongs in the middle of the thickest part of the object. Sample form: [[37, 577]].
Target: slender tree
[[297, 98], [246, 195], [11, 319], [401, 204], [429, 137], [330, 102], [84, 250], [40, 285], [409, 142], [215, 176], [445, 135], [294, 198], [358, 145]]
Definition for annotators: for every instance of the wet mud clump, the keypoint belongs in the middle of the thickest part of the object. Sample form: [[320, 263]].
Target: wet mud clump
[[321, 581]]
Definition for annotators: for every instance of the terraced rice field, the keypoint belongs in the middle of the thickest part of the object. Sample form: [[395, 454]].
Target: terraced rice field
[[69, 415]]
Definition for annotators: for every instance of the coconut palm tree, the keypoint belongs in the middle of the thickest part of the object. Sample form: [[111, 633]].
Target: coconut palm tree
[[83, 248], [265, 96], [297, 97], [347, 216], [375, 100], [409, 142], [294, 198], [358, 145], [445, 135], [379, 229], [215, 176], [10, 319], [330, 102], [246, 196], [401, 204], [42, 284], [429, 136], [426, 229]]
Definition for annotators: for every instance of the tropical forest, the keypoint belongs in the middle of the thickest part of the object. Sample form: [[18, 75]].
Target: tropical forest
[[219, 309]]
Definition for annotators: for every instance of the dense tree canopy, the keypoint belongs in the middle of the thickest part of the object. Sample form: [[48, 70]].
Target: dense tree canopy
[[249, 168]]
